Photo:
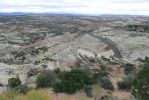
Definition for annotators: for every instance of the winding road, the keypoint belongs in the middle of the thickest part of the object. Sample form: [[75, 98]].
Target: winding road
[[110, 43]]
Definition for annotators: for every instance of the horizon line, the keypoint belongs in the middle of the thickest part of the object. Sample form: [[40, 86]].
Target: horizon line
[[72, 13]]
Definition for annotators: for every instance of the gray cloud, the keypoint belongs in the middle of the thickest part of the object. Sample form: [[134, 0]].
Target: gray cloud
[[77, 6]]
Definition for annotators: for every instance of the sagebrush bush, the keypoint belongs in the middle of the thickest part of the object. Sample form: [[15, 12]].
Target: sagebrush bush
[[46, 79], [22, 89], [126, 83], [106, 83], [88, 90]]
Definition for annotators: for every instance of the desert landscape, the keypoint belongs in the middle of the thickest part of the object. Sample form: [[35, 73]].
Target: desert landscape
[[30, 43]]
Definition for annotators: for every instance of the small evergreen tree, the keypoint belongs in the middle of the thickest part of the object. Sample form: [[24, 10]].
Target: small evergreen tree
[[14, 82]]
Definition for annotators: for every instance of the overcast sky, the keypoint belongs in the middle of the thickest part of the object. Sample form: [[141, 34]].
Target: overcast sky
[[95, 7]]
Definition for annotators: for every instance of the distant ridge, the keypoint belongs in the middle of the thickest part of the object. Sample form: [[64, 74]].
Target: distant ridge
[[14, 13]]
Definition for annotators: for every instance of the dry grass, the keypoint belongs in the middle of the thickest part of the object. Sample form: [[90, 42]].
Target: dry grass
[[44, 94], [80, 95], [31, 95]]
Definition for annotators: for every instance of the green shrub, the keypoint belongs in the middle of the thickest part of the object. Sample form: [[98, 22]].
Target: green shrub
[[88, 90], [106, 83], [138, 28], [57, 70], [22, 89], [100, 74], [46, 78], [103, 71], [141, 85], [128, 68], [14, 82], [126, 83], [73, 81]]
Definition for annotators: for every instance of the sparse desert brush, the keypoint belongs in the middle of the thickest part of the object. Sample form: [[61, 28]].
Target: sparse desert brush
[[31, 95], [34, 95], [46, 79], [106, 83], [126, 83], [97, 89], [9, 95]]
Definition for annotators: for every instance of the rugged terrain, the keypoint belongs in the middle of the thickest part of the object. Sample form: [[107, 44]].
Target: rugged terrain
[[30, 43]]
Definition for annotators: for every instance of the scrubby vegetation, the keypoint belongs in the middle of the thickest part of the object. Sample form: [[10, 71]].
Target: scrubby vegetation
[[23, 89], [101, 78], [78, 79], [9, 95], [46, 79], [73, 81], [128, 68], [138, 28], [141, 84], [14, 82], [32, 38], [126, 83], [84, 79], [106, 83], [31, 95]]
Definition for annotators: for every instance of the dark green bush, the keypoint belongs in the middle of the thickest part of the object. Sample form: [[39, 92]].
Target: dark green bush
[[128, 68], [88, 90], [126, 83], [57, 70], [106, 83], [141, 85], [100, 74], [46, 79], [138, 28], [14, 82], [22, 89], [73, 81], [58, 87]]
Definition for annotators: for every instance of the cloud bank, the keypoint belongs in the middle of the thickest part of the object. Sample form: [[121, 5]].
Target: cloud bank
[[91, 7]]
